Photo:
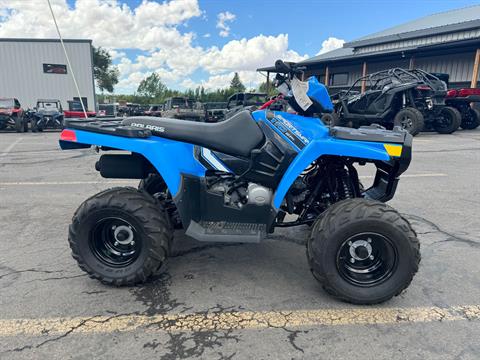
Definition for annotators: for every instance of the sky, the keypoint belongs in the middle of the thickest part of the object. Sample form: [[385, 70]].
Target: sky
[[192, 43]]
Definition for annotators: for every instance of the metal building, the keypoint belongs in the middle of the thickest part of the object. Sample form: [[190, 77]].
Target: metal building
[[447, 42], [31, 69]]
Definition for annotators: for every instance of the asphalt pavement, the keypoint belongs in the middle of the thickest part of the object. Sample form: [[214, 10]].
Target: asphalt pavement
[[233, 301]]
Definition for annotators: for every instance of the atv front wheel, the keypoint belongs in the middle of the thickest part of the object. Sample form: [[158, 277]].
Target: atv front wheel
[[471, 119], [409, 119], [120, 236], [363, 251], [449, 120]]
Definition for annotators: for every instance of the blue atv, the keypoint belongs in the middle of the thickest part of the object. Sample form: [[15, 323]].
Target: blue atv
[[238, 180]]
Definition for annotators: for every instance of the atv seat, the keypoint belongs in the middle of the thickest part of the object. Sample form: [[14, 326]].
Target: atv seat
[[236, 136]]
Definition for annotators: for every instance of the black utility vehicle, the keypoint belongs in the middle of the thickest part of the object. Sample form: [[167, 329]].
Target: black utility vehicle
[[240, 101], [412, 99], [215, 111], [154, 110], [47, 114]]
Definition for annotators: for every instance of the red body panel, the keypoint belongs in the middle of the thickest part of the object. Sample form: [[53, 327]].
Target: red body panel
[[78, 114]]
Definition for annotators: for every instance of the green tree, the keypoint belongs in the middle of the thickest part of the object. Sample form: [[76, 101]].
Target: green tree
[[236, 84], [271, 89], [152, 87], [104, 72]]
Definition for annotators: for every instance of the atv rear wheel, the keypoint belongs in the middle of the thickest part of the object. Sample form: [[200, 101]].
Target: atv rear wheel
[[120, 236], [409, 119], [363, 251], [471, 119], [154, 185], [19, 124], [449, 120]]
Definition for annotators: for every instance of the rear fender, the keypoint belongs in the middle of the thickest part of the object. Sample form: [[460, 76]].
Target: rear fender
[[370, 151], [170, 158]]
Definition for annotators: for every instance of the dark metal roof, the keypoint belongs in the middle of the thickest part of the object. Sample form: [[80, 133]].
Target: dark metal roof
[[453, 20], [336, 54]]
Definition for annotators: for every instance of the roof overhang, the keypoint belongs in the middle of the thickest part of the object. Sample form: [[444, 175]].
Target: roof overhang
[[427, 50], [415, 34]]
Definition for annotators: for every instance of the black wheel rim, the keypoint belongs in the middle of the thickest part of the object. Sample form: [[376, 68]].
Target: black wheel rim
[[445, 121], [406, 122], [115, 242], [469, 118], [367, 259]]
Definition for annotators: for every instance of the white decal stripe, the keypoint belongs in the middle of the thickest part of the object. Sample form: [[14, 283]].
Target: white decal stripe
[[207, 155]]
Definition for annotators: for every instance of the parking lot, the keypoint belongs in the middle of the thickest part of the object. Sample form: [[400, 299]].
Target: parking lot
[[232, 301]]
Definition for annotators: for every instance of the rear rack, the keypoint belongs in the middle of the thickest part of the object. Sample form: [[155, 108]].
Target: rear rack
[[111, 126], [372, 133]]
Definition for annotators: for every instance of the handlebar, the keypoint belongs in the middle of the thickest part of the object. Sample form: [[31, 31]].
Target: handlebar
[[280, 66], [286, 68]]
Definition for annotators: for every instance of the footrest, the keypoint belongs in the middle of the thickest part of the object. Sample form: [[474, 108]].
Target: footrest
[[223, 231]]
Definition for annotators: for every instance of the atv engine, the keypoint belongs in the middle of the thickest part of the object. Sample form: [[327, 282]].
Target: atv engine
[[238, 194]]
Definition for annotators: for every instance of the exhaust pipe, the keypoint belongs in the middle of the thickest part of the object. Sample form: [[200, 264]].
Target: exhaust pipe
[[122, 166]]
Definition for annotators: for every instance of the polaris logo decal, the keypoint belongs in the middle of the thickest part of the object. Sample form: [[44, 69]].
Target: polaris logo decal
[[149, 127], [293, 129], [290, 131]]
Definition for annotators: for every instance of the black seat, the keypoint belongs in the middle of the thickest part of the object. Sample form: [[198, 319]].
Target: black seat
[[236, 136]]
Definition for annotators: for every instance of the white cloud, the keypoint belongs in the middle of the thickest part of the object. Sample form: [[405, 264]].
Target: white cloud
[[330, 44], [156, 28], [107, 22], [223, 19], [251, 79], [207, 35], [115, 54], [248, 54]]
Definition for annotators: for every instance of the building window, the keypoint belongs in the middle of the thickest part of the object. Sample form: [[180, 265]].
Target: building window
[[338, 79], [54, 69], [76, 103], [321, 78]]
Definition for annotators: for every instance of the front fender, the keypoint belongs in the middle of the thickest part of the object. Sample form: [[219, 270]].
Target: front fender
[[170, 158], [332, 147]]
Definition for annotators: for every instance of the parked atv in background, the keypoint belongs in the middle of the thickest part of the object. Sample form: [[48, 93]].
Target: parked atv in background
[[183, 108], [48, 114], [240, 101], [154, 110], [411, 99], [75, 110], [237, 180], [463, 100], [215, 111], [128, 109], [12, 115]]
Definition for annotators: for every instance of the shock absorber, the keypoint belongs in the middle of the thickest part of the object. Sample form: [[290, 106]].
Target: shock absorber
[[344, 189]]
